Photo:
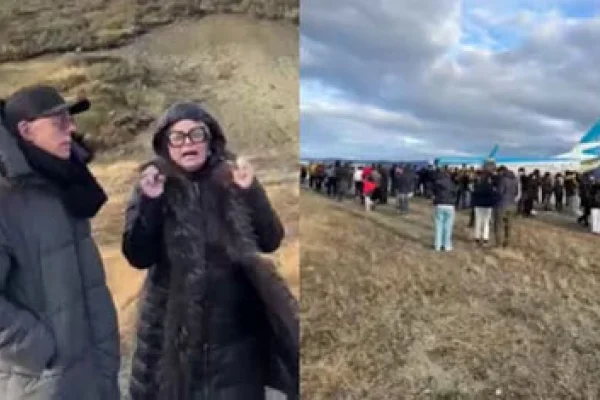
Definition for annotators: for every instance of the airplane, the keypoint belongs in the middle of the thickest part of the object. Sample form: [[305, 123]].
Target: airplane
[[583, 157]]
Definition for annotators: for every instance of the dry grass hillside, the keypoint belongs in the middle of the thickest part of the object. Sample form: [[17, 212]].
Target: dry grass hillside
[[243, 68], [30, 28], [386, 317]]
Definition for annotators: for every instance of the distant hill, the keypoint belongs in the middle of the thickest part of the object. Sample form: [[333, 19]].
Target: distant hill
[[31, 28], [240, 58]]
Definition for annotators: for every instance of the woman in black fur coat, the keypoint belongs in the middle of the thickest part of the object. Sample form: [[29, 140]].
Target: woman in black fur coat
[[216, 320]]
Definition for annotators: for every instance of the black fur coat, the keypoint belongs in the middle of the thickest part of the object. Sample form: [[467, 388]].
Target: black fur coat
[[216, 320]]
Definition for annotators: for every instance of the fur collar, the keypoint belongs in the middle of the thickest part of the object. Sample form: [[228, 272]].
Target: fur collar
[[200, 212]]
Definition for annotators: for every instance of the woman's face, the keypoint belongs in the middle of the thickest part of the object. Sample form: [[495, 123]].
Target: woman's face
[[188, 144]]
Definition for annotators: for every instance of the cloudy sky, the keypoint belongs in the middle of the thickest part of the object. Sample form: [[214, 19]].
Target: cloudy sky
[[415, 79]]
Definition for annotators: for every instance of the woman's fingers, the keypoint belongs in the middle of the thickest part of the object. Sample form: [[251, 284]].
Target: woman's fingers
[[151, 176]]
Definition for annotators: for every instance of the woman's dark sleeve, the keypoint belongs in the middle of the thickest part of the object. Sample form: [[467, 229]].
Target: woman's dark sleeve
[[267, 226], [142, 233]]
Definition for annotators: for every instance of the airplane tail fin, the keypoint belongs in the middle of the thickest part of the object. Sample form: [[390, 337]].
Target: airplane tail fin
[[589, 144], [593, 135], [493, 152]]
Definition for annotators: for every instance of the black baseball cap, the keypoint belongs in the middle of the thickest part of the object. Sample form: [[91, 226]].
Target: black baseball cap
[[34, 102]]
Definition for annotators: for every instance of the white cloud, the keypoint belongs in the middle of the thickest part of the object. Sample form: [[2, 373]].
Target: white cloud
[[448, 77]]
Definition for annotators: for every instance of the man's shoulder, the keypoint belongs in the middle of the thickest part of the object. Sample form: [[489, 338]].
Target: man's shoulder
[[8, 192], [9, 203]]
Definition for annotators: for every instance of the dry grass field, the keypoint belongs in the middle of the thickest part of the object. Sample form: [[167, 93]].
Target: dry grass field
[[386, 317]]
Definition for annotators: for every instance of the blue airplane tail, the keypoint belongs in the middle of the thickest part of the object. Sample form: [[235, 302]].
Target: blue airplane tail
[[593, 135], [493, 152]]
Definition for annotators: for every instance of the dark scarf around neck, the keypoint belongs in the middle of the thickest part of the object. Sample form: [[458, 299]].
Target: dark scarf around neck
[[79, 190]]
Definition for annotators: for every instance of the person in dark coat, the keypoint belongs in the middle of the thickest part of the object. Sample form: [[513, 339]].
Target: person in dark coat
[[484, 200], [303, 175], [539, 181], [345, 176], [422, 181], [216, 321], [464, 188], [392, 176], [472, 177], [415, 173], [595, 206], [585, 194], [570, 191], [332, 179], [405, 186], [59, 337], [384, 184], [547, 185], [523, 182], [505, 210], [430, 175], [529, 191], [559, 192], [319, 177]]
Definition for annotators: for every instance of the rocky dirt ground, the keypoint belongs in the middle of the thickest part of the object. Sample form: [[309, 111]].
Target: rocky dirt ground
[[133, 59], [384, 316]]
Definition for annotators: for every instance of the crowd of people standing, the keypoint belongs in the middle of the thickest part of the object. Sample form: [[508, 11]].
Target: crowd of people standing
[[372, 185], [493, 195]]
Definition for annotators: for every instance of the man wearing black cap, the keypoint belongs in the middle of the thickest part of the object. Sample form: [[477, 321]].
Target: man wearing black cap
[[58, 327]]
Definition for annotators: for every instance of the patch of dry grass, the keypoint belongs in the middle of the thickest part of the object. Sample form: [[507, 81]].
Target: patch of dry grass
[[30, 28], [383, 316], [123, 100], [245, 72]]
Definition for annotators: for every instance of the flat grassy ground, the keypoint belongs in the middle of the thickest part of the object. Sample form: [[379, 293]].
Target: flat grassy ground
[[386, 317]]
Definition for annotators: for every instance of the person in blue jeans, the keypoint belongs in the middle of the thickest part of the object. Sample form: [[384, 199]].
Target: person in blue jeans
[[444, 200]]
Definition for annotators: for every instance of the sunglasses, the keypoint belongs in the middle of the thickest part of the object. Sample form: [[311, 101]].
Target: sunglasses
[[62, 121], [197, 135]]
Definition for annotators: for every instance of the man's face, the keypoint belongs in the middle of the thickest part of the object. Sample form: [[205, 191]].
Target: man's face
[[52, 134]]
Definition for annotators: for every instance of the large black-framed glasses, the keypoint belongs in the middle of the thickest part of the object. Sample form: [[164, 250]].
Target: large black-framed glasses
[[197, 135]]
